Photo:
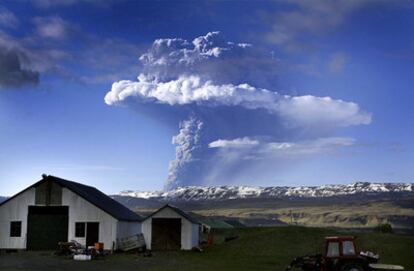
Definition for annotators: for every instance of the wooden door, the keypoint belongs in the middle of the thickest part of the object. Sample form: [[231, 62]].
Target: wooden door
[[46, 227], [92, 233], [166, 233]]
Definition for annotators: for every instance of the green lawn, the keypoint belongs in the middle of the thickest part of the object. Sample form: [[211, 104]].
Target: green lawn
[[255, 249], [273, 248], [349, 215]]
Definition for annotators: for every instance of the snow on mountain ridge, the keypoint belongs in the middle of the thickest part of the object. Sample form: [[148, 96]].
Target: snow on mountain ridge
[[198, 193]]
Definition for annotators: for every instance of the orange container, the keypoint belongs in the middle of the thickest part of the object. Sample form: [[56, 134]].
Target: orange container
[[99, 246]]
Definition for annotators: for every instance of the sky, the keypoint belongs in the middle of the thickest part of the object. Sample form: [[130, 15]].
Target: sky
[[152, 95]]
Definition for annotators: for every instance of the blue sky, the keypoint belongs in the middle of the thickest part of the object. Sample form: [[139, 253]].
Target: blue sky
[[229, 92]]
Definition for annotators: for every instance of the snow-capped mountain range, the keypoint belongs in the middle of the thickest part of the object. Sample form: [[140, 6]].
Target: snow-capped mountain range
[[202, 193]]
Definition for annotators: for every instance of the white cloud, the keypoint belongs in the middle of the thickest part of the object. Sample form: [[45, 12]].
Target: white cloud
[[40, 58], [7, 18], [109, 60], [320, 145], [234, 143], [254, 149], [167, 52], [312, 110], [297, 110], [211, 57], [267, 159], [67, 3], [307, 18], [51, 3], [13, 73], [337, 62], [52, 27], [291, 26], [220, 84], [45, 50]]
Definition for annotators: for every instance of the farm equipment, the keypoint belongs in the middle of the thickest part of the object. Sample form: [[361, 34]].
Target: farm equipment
[[341, 255]]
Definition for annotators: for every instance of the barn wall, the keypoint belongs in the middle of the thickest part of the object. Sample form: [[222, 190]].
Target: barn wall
[[186, 234], [189, 238], [15, 210], [48, 193], [126, 229], [81, 210], [146, 231], [195, 232]]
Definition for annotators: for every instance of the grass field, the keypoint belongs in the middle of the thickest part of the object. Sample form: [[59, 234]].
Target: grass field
[[340, 215], [255, 249]]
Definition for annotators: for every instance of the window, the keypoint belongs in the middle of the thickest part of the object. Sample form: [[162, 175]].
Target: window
[[15, 229], [333, 249], [348, 248], [79, 229]]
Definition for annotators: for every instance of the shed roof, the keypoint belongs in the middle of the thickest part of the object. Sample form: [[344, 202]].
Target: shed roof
[[92, 195], [184, 214], [216, 223]]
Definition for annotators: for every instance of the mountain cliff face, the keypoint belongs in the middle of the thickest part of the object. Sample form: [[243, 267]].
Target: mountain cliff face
[[220, 193], [360, 204]]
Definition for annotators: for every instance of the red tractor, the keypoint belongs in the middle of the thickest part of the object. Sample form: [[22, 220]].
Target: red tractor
[[341, 255]]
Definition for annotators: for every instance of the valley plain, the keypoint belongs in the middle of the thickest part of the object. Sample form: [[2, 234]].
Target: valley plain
[[359, 205], [264, 248]]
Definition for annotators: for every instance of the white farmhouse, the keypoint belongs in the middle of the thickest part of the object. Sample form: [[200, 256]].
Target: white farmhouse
[[54, 210], [170, 228]]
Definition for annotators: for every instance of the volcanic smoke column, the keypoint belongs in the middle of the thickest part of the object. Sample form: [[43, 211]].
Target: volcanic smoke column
[[187, 142], [237, 120]]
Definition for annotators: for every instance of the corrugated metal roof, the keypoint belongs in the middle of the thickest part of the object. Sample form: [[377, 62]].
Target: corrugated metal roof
[[177, 210], [92, 195]]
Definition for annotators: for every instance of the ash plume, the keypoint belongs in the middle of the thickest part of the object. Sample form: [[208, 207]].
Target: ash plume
[[187, 142], [240, 126]]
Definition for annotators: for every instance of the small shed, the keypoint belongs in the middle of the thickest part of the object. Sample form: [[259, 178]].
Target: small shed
[[170, 228], [54, 210]]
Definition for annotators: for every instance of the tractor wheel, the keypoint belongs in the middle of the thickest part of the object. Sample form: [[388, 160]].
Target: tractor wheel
[[352, 267]]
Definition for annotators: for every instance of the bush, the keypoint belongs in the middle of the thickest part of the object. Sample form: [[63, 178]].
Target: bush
[[384, 228]]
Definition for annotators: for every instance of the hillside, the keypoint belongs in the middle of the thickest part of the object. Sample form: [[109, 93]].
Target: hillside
[[351, 206], [355, 215], [203, 193]]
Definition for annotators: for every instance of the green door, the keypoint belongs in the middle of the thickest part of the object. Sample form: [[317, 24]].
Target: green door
[[46, 227]]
